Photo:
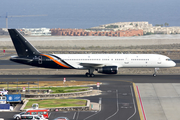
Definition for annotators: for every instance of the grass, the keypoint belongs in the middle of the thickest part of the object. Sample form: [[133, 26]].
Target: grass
[[52, 103], [44, 84], [56, 89], [62, 89]]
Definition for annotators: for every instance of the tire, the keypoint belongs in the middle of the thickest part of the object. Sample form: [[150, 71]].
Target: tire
[[87, 75], [17, 118], [92, 75]]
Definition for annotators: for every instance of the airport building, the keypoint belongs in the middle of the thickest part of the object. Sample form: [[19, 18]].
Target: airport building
[[82, 32]]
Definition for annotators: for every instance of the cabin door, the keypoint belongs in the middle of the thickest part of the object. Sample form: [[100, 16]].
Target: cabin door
[[126, 61], [159, 61]]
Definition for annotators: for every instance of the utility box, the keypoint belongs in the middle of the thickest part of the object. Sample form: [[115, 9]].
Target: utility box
[[13, 98], [4, 106]]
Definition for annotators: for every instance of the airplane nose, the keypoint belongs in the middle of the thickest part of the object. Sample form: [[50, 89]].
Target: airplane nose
[[174, 64]]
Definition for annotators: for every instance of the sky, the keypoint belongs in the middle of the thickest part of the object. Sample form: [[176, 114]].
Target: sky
[[88, 13]]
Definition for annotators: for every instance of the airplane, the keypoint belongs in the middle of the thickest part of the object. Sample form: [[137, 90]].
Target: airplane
[[102, 63]]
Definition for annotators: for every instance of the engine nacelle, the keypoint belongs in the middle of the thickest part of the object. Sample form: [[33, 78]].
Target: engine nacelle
[[108, 70]]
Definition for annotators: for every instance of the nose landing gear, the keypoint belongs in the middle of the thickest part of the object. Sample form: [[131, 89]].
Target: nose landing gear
[[155, 72]]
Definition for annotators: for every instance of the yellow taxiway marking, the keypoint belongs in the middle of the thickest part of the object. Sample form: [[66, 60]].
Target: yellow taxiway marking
[[138, 102]]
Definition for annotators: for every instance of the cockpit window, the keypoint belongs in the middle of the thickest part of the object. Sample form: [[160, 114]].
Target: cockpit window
[[168, 60]]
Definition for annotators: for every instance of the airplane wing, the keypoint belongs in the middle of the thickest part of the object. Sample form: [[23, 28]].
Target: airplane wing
[[94, 65]]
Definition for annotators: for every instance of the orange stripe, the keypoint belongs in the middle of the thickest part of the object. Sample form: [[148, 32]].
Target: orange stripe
[[57, 62]]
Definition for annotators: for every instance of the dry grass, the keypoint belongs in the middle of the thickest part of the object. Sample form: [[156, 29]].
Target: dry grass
[[45, 84]]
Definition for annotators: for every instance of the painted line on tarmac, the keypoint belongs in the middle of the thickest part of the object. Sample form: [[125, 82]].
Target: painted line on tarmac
[[133, 103], [141, 103], [138, 102], [117, 107], [77, 115], [74, 115], [49, 114]]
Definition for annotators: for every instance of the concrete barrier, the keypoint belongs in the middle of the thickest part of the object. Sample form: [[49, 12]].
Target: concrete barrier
[[43, 91], [30, 91], [25, 102], [59, 95]]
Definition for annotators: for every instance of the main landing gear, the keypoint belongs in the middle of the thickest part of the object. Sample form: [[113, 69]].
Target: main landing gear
[[155, 71], [90, 73]]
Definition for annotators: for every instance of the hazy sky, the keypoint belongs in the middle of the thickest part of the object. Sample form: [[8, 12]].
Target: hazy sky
[[89, 13]]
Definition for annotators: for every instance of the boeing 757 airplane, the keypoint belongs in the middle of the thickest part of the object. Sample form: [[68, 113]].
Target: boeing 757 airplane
[[102, 63]]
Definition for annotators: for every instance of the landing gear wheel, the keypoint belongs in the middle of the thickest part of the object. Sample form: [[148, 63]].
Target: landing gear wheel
[[87, 74], [155, 72], [92, 75], [17, 118]]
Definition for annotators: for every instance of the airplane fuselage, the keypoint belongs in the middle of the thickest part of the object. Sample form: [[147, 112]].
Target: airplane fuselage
[[84, 61]]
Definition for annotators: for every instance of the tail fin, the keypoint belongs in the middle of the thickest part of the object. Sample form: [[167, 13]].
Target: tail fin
[[22, 46]]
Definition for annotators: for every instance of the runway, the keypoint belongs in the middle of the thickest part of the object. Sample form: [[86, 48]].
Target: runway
[[98, 78]]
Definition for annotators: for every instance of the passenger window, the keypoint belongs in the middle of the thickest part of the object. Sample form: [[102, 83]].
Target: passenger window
[[29, 117], [40, 113], [28, 113], [34, 113]]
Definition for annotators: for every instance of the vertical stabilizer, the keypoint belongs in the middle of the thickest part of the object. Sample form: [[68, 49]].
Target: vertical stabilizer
[[22, 46]]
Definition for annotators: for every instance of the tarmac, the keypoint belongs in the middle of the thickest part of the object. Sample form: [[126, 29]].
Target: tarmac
[[161, 101], [117, 100]]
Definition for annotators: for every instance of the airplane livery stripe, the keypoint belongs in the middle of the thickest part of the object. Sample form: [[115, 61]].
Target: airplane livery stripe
[[57, 62], [62, 61]]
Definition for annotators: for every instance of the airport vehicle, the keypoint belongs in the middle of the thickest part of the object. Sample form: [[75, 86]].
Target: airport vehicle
[[3, 92], [43, 112], [13, 98], [102, 63], [31, 117], [61, 118], [18, 116], [2, 99]]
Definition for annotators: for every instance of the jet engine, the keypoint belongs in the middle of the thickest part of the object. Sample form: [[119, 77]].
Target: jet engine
[[108, 70]]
